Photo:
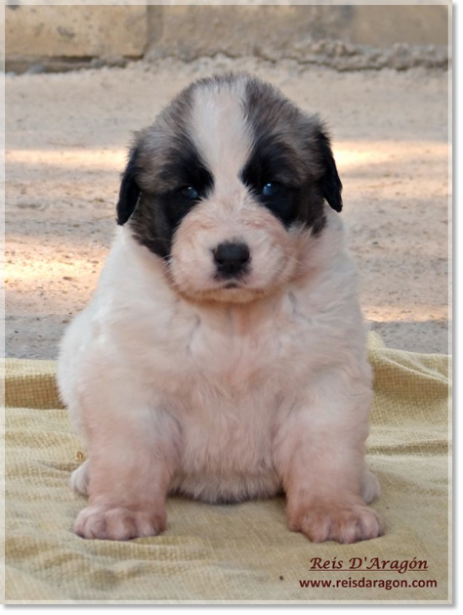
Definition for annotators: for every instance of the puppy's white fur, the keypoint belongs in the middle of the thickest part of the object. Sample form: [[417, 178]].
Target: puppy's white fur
[[178, 384]]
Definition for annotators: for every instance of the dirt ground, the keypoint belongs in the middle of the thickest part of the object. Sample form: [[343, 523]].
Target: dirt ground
[[66, 140]]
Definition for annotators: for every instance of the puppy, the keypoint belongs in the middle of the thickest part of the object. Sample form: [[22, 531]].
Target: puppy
[[222, 355]]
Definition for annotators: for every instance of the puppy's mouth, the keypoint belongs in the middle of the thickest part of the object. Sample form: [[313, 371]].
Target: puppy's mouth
[[231, 285]]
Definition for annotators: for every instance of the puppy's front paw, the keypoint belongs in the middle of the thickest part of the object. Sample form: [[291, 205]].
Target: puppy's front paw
[[344, 523], [119, 523]]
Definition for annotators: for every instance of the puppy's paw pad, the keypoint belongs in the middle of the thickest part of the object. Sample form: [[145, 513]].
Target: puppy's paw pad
[[119, 523], [344, 524]]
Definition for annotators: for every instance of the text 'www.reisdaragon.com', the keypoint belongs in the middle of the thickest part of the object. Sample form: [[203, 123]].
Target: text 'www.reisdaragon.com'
[[365, 583]]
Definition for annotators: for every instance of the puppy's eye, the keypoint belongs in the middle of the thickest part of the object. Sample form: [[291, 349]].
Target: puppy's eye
[[272, 189], [279, 199], [189, 193]]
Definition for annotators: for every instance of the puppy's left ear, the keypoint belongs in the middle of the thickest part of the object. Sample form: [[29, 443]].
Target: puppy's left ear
[[129, 192], [330, 183]]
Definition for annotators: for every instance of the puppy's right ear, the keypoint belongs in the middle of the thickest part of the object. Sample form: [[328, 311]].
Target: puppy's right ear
[[330, 183], [129, 192]]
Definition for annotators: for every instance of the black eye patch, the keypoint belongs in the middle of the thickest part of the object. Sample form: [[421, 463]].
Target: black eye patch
[[181, 182], [266, 176], [279, 199], [191, 181], [176, 206]]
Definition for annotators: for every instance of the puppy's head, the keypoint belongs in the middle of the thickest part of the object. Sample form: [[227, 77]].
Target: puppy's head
[[229, 187]]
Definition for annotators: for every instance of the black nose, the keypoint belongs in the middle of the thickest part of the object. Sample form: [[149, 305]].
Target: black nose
[[231, 258]]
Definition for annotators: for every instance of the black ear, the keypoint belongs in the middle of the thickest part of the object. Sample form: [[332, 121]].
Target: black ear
[[129, 192], [330, 183]]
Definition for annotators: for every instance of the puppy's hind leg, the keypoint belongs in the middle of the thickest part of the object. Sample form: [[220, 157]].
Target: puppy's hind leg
[[370, 488], [79, 479]]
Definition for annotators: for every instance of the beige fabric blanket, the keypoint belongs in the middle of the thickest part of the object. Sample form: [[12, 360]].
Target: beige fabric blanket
[[240, 553]]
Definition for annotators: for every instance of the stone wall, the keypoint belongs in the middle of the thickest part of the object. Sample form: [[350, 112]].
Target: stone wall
[[346, 36]]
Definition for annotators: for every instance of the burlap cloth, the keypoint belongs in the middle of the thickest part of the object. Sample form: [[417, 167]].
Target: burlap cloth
[[239, 553]]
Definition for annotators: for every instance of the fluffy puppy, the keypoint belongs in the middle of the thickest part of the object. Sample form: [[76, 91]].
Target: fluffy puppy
[[222, 355]]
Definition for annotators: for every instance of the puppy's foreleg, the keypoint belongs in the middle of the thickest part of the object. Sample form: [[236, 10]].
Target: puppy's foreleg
[[132, 453], [319, 453]]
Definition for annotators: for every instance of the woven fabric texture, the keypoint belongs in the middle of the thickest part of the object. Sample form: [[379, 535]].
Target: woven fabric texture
[[234, 553]]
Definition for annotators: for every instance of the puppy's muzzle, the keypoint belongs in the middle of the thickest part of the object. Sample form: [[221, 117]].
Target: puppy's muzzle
[[231, 259]]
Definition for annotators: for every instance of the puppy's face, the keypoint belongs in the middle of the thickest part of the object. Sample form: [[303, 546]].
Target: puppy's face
[[228, 186]]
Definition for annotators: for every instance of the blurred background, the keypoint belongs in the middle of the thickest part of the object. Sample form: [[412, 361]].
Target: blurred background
[[81, 79], [342, 35]]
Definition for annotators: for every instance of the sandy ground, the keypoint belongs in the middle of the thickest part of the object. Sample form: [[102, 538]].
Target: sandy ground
[[66, 139]]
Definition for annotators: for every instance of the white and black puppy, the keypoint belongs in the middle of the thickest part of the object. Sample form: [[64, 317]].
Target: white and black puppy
[[223, 353]]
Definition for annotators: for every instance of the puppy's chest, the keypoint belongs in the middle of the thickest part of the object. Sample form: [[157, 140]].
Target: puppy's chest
[[236, 354], [228, 357]]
